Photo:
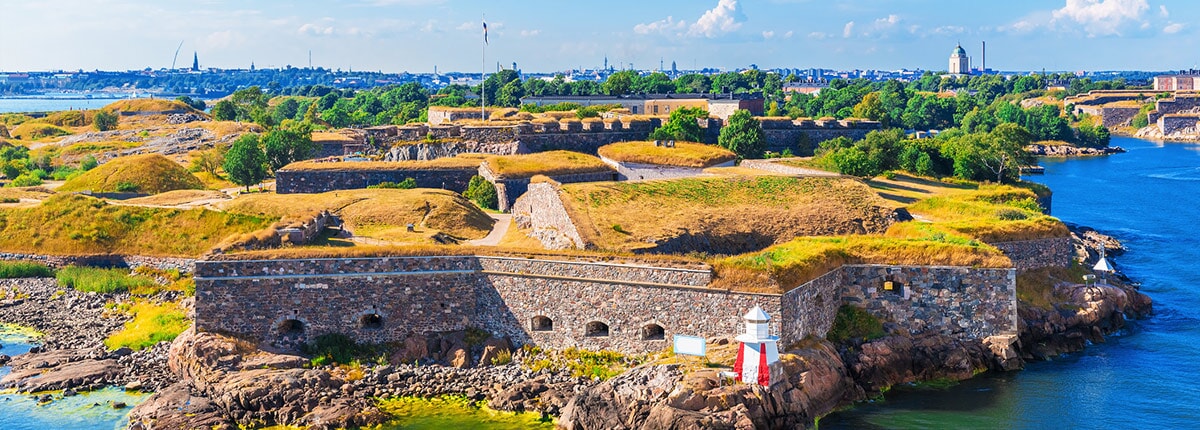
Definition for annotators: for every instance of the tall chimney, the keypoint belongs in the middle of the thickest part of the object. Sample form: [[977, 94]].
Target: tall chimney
[[984, 67]]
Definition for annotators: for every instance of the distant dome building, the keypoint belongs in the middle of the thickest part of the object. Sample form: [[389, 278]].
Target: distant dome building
[[960, 63]]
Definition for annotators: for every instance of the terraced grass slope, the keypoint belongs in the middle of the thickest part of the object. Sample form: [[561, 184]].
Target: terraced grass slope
[[378, 213], [548, 163], [146, 173], [684, 154], [71, 224], [721, 215]]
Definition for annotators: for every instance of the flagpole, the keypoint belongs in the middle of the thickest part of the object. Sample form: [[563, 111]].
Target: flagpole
[[483, 76]]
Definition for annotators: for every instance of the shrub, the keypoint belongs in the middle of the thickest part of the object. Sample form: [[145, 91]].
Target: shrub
[[337, 348], [27, 179], [105, 120], [151, 324], [482, 192], [126, 187], [91, 279], [854, 324], [406, 184], [24, 269]]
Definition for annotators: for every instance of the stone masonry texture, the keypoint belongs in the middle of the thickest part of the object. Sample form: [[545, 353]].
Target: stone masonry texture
[[563, 303]]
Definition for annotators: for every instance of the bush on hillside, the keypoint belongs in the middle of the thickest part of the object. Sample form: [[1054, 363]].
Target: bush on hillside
[[24, 269], [482, 192], [105, 120]]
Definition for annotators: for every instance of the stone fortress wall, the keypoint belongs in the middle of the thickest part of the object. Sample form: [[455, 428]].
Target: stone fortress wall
[[575, 303]]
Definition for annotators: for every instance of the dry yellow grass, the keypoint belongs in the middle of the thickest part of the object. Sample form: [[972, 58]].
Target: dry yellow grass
[[992, 213], [789, 265], [147, 105], [378, 213], [907, 189], [31, 193], [685, 154], [145, 173], [178, 197], [70, 224], [735, 212], [460, 162], [228, 128], [545, 163], [429, 249], [329, 136], [37, 131]]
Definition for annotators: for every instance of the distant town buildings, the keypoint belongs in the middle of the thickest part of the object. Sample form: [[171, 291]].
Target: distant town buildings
[[808, 86], [718, 105], [1184, 80]]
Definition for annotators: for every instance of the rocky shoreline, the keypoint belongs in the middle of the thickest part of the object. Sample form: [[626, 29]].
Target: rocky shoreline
[[204, 380], [1039, 150], [72, 354]]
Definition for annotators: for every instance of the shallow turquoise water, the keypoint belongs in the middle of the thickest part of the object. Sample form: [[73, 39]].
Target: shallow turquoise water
[[86, 411], [1146, 377]]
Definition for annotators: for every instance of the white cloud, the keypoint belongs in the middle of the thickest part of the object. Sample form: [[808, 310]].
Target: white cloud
[[818, 35], [530, 33], [223, 39], [1100, 17], [887, 22], [787, 35], [316, 30], [726, 18], [768, 34], [1162, 10], [660, 26], [1173, 28], [848, 29]]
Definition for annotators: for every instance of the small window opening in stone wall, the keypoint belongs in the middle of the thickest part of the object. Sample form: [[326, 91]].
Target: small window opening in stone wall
[[370, 321], [653, 332], [541, 323], [596, 329], [290, 328]]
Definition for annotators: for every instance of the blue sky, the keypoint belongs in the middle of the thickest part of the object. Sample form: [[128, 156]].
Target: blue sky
[[416, 35]]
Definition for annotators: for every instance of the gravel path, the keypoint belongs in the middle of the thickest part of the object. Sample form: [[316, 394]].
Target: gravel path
[[499, 229]]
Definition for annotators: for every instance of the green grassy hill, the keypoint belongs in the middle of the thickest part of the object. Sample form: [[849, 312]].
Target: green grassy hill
[[146, 173]]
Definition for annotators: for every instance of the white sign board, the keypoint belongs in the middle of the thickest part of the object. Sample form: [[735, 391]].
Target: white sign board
[[690, 345]]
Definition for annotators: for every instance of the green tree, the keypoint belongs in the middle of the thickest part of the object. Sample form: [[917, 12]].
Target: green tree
[[510, 95], [286, 109], [105, 120], [284, 146], [196, 104], [743, 135], [224, 110], [620, 83], [245, 163], [871, 108], [853, 161], [482, 192], [682, 125]]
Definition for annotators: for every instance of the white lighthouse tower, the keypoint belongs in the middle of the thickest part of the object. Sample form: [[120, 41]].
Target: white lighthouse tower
[[758, 355]]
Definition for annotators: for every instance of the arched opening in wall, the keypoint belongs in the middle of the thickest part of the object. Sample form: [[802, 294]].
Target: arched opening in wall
[[370, 321], [653, 332], [290, 328], [541, 323], [596, 329]]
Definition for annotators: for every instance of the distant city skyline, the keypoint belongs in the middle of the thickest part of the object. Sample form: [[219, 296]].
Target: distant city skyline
[[417, 35]]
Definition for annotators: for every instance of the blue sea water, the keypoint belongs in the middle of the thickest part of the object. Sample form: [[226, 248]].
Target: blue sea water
[[1144, 377], [9, 105], [86, 411]]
